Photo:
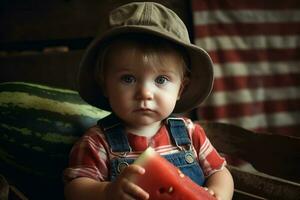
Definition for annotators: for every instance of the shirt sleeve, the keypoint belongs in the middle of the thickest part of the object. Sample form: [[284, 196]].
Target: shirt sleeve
[[209, 159], [88, 157]]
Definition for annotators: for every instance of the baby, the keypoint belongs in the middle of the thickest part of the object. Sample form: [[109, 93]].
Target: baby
[[143, 69]]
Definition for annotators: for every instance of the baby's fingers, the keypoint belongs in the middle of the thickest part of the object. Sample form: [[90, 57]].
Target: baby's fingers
[[133, 169], [131, 188], [135, 191]]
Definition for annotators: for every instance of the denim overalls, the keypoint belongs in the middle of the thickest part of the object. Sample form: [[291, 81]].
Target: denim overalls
[[119, 145]]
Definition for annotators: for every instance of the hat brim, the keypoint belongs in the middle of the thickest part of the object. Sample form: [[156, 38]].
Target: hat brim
[[198, 88]]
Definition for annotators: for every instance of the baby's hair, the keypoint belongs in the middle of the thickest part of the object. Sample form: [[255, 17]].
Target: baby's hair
[[151, 46]]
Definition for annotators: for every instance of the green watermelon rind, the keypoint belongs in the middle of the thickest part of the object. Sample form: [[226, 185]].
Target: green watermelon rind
[[39, 125]]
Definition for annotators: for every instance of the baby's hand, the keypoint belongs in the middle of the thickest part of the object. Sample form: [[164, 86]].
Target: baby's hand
[[210, 191], [123, 189]]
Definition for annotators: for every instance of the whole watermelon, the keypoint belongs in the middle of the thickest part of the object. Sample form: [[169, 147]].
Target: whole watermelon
[[38, 126]]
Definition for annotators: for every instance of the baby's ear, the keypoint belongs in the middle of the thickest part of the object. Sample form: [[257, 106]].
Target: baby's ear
[[184, 83]]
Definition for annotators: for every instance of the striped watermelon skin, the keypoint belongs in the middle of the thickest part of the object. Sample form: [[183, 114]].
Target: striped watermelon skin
[[38, 126]]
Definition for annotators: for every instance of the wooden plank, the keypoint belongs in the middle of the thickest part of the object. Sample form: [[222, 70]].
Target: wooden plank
[[241, 195], [264, 186], [64, 20], [15, 194], [4, 188], [54, 68], [276, 155]]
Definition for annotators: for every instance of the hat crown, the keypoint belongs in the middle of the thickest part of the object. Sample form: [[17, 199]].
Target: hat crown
[[151, 15]]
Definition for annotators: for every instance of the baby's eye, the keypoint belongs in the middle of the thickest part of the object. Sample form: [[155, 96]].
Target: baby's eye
[[128, 78], [161, 80]]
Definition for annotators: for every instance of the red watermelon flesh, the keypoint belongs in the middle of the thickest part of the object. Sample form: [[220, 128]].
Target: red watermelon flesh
[[163, 181]]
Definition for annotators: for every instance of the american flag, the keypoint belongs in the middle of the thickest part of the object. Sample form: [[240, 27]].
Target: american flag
[[255, 46]]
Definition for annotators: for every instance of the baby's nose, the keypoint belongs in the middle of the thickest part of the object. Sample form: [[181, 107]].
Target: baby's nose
[[144, 92]]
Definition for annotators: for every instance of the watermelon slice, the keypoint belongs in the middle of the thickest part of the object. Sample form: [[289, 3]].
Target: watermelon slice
[[163, 181]]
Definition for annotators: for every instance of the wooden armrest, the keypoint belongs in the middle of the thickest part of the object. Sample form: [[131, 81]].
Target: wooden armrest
[[276, 155], [262, 186], [10, 192], [15, 194]]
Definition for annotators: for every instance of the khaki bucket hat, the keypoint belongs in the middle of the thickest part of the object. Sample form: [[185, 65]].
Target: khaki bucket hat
[[152, 19]]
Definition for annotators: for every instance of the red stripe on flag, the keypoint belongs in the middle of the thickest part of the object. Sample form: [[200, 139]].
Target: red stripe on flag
[[199, 5], [249, 29], [247, 109], [255, 55], [250, 82]]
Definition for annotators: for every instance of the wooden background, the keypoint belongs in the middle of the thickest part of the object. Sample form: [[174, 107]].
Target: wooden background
[[43, 41]]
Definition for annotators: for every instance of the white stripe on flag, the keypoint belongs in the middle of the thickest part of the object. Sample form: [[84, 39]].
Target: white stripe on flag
[[248, 42], [263, 120], [231, 69], [252, 95], [245, 16]]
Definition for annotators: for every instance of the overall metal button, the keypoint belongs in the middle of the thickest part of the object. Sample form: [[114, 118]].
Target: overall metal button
[[122, 166], [189, 158]]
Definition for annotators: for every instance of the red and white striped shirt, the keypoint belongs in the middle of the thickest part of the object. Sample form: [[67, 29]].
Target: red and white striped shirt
[[90, 156]]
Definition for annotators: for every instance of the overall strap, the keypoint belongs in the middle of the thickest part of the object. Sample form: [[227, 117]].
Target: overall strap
[[114, 133], [178, 131]]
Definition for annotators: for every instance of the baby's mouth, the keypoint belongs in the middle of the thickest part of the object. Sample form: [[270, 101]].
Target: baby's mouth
[[143, 110]]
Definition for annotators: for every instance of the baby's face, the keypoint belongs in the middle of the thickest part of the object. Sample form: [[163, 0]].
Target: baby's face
[[142, 89]]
